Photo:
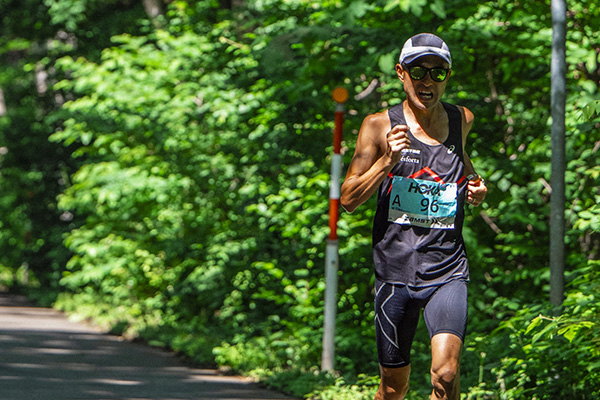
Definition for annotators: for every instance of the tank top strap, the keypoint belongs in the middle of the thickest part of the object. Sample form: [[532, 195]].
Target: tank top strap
[[455, 128], [396, 114], [454, 124], [454, 116]]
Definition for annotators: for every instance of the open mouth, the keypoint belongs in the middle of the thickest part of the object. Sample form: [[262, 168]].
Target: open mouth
[[425, 95]]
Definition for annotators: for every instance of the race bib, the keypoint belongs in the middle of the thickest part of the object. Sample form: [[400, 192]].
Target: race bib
[[421, 203]]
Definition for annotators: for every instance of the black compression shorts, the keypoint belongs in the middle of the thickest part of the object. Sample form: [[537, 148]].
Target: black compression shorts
[[397, 310]]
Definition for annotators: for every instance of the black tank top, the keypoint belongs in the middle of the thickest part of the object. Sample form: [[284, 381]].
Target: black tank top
[[417, 230]]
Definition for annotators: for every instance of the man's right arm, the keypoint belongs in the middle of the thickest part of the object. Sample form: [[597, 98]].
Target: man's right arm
[[377, 150]]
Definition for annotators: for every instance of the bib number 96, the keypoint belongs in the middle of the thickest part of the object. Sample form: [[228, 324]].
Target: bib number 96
[[430, 205]]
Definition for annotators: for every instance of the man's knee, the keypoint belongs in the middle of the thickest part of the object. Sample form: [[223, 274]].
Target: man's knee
[[394, 383], [445, 380], [445, 375], [391, 392]]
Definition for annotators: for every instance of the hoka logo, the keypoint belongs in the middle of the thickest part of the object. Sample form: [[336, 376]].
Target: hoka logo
[[423, 188]]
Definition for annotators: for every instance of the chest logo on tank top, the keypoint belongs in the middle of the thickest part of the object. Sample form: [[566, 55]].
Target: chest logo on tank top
[[423, 203], [411, 156]]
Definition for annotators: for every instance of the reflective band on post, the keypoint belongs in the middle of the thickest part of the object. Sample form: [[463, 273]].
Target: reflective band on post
[[336, 174], [337, 133]]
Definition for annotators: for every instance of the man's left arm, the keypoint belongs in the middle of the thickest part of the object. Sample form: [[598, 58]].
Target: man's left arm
[[476, 189]]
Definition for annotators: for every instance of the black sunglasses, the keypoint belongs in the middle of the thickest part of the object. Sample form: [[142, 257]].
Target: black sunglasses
[[417, 72]]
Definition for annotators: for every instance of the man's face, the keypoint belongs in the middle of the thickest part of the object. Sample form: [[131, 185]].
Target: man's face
[[424, 93]]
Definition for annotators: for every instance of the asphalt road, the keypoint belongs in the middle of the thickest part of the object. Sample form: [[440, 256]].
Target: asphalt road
[[45, 356]]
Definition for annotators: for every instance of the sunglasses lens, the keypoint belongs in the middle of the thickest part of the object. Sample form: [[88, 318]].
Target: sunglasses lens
[[417, 73], [438, 74]]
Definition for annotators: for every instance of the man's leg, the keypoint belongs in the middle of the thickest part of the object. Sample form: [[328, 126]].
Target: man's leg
[[446, 349], [394, 383], [446, 318], [396, 320]]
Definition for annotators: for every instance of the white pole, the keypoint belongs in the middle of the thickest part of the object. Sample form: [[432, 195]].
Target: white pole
[[340, 95], [331, 269]]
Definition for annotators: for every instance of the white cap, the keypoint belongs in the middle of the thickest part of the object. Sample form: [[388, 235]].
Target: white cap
[[424, 44]]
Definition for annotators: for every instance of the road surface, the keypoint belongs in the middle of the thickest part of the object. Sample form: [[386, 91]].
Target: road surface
[[45, 356]]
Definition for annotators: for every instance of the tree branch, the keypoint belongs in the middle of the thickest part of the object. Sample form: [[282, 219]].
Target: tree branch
[[488, 220]]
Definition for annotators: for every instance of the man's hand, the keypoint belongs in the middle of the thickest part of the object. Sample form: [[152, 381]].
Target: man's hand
[[397, 141], [476, 191]]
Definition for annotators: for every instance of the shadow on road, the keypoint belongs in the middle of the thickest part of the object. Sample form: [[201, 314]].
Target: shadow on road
[[45, 356]]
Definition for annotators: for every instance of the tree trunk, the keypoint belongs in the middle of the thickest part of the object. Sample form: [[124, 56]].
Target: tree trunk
[[231, 4], [2, 104], [557, 198], [153, 9]]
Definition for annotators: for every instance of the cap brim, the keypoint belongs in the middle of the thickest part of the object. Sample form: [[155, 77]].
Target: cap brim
[[409, 59]]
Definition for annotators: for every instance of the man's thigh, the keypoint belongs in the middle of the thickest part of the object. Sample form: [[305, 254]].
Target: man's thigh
[[396, 320], [447, 310]]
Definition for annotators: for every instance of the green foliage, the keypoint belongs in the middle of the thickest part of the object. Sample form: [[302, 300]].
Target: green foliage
[[186, 169], [553, 357], [363, 389]]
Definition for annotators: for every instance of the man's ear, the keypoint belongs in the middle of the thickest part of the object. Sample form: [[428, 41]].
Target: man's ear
[[400, 72]]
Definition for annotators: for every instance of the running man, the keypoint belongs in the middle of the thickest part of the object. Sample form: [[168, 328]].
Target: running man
[[413, 155]]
